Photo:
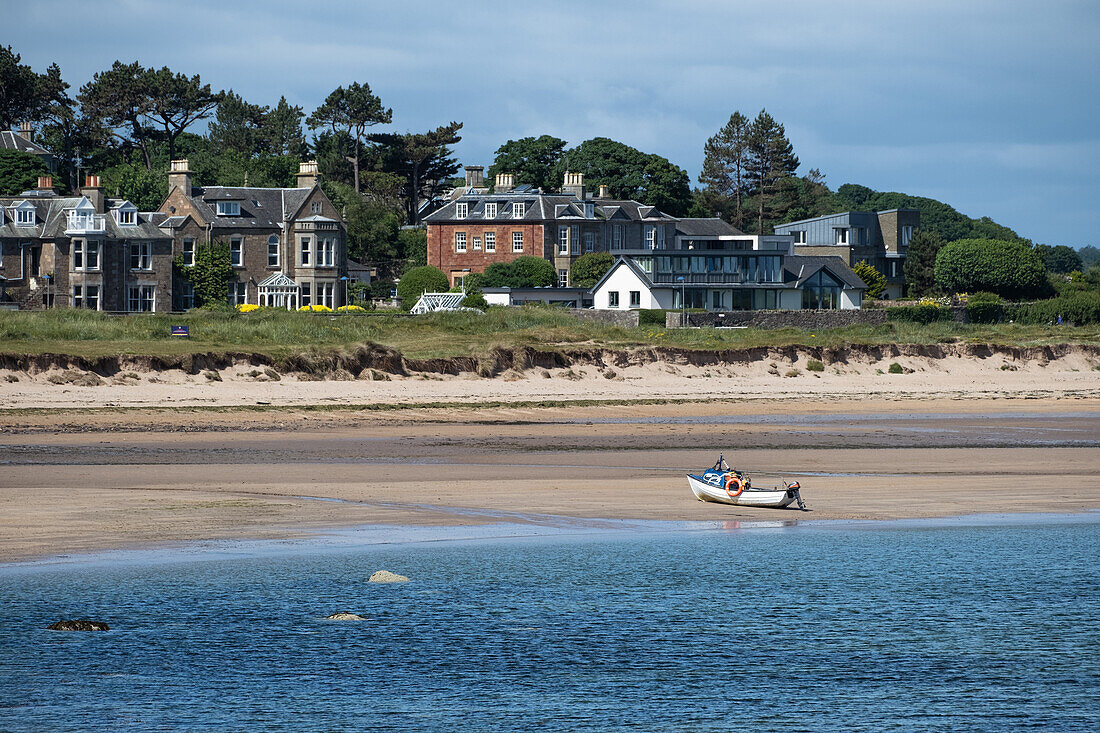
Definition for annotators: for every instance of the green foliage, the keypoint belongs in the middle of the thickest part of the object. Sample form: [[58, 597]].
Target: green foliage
[[1009, 269], [872, 278], [382, 288], [144, 188], [919, 313], [920, 262], [522, 272], [771, 163], [1059, 258], [19, 171], [985, 308], [413, 245], [587, 269], [531, 159], [895, 368], [1080, 308], [651, 317], [725, 162], [1089, 256], [813, 365], [26, 96], [420, 280], [630, 173], [348, 113], [210, 275], [423, 160], [935, 216]]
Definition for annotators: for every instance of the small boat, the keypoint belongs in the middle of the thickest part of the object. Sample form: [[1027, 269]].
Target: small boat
[[724, 485]]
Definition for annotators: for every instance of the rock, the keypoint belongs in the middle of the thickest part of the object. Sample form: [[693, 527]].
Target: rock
[[385, 576], [80, 624], [344, 616]]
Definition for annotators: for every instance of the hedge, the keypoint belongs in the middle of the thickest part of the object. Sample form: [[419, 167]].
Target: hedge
[[985, 308], [1077, 308], [919, 313]]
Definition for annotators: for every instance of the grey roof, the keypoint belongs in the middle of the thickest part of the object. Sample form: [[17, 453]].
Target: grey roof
[[261, 208], [545, 207], [10, 140], [51, 220], [713, 227], [834, 215], [799, 268], [625, 262]]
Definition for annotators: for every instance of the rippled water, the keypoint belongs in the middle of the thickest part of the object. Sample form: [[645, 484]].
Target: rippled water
[[829, 627]]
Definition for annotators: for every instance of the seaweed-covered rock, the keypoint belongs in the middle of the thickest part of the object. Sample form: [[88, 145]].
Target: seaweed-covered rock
[[80, 624], [345, 616], [385, 576]]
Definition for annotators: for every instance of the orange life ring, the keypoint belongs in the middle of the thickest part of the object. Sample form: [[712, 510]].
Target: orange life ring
[[733, 480]]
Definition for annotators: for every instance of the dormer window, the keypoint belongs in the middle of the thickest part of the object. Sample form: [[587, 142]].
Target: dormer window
[[461, 210], [518, 210], [24, 215], [229, 208], [589, 211], [490, 211], [126, 215]]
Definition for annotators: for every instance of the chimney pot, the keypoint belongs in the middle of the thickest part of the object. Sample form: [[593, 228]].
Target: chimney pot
[[505, 182], [26, 131], [94, 193], [307, 174], [475, 176], [45, 183], [179, 176], [605, 191], [574, 184]]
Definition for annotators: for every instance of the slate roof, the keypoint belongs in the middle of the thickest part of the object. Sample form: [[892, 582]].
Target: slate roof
[[711, 227], [799, 268], [261, 208], [51, 220], [10, 140], [545, 207]]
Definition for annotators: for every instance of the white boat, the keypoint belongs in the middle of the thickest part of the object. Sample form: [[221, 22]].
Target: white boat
[[724, 485]]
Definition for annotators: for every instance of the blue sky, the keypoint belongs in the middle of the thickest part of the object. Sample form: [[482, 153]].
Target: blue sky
[[990, 105]]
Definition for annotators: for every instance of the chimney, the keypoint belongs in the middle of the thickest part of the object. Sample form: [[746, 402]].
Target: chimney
[[26, 131], [94, 191], [45, 183], [179, 175], [605, 191], [475, 176], [307, 174], [505, 182], [574, 184]]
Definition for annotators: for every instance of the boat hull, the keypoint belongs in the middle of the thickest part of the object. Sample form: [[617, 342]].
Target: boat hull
[[776, 497]]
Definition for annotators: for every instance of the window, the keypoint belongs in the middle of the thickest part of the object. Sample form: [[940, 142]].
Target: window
[[563, 278], [613, 299], [490, 241], [78, 254], [141, 256], [617, 236], [326, 252], [906, 235], [91, 252], [187, 296], [461, 210], [126, 217], [460, 241], [141, 298], [189, 252], [563, 240], [589, 211], [517, 241], [236, 252], [716, 299], [660, 237], [477, 244], [821, 291], [229, 208], [491, 211], [893, 268], [272, 251], [840, 236], [518, 210], [589, 241], [575, 239], [315, 207], [306, 294], [24, 216], [238, 293], [86, 296], [303, 253], [324, 294], [635, 298], [650, 237], [799, 236]]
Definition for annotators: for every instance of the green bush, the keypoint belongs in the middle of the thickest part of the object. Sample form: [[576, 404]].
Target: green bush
[[985, 308], [587, 270], [813, 365], [875, 280], [1009, 269], [381, 289], [895, 368], [1076, 308], [651, 317], [522, 272], [919, 313], [420, 280]]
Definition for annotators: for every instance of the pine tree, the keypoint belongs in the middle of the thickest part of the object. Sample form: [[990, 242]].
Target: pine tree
[[724, 164], [920, 262], [770, 160]]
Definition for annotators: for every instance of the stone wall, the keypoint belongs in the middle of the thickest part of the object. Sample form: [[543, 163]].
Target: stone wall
[[626, 319], [805, 319]]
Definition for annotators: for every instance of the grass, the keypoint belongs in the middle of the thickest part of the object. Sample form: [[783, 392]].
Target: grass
[[279, 333]]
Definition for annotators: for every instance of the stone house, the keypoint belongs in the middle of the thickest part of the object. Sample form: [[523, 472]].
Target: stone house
[[83, 251], [287, 245]]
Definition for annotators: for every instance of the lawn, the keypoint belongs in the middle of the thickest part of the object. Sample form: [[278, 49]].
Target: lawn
[[280, 333]]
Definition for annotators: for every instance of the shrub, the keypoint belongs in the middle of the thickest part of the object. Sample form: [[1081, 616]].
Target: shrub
[[420, 280], [925, 313], [813, 365], [316, 308], [651, 317], [247, 307], [1009, 269], [587, 270], [352, 308], [875, 280], [475, 299], [210, 274], [1077, 308], [522, 272], [381, 289], [895, 368], [984, 308]]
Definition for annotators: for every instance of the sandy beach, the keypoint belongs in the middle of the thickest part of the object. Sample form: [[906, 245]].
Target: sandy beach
[[125, 465]]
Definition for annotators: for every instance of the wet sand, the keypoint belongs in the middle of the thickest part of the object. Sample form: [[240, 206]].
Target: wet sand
[[78, 482]]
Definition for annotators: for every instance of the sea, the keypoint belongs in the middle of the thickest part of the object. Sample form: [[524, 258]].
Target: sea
[[982, 623]]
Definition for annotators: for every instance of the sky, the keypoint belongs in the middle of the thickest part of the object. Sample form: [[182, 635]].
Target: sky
[[992, 106]]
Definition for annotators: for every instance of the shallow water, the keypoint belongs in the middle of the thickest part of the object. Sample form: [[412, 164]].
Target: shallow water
[[942, 625]]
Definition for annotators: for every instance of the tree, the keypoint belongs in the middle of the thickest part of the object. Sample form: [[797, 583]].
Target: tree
[[872, 278], [19, 171], [210, 275], [238, 126], [419, 280], [423, 159], [725, 159], [351, 111], [119, 99], [770, 160], [587, 269], [522, 272], [629, 173], [809, 197], [532, 160], [920, 262], [412, 243], [26, 96], [1010, 269], [1089, 256], [177, 102], [283, 128], [1059, 258], [144, 188]]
